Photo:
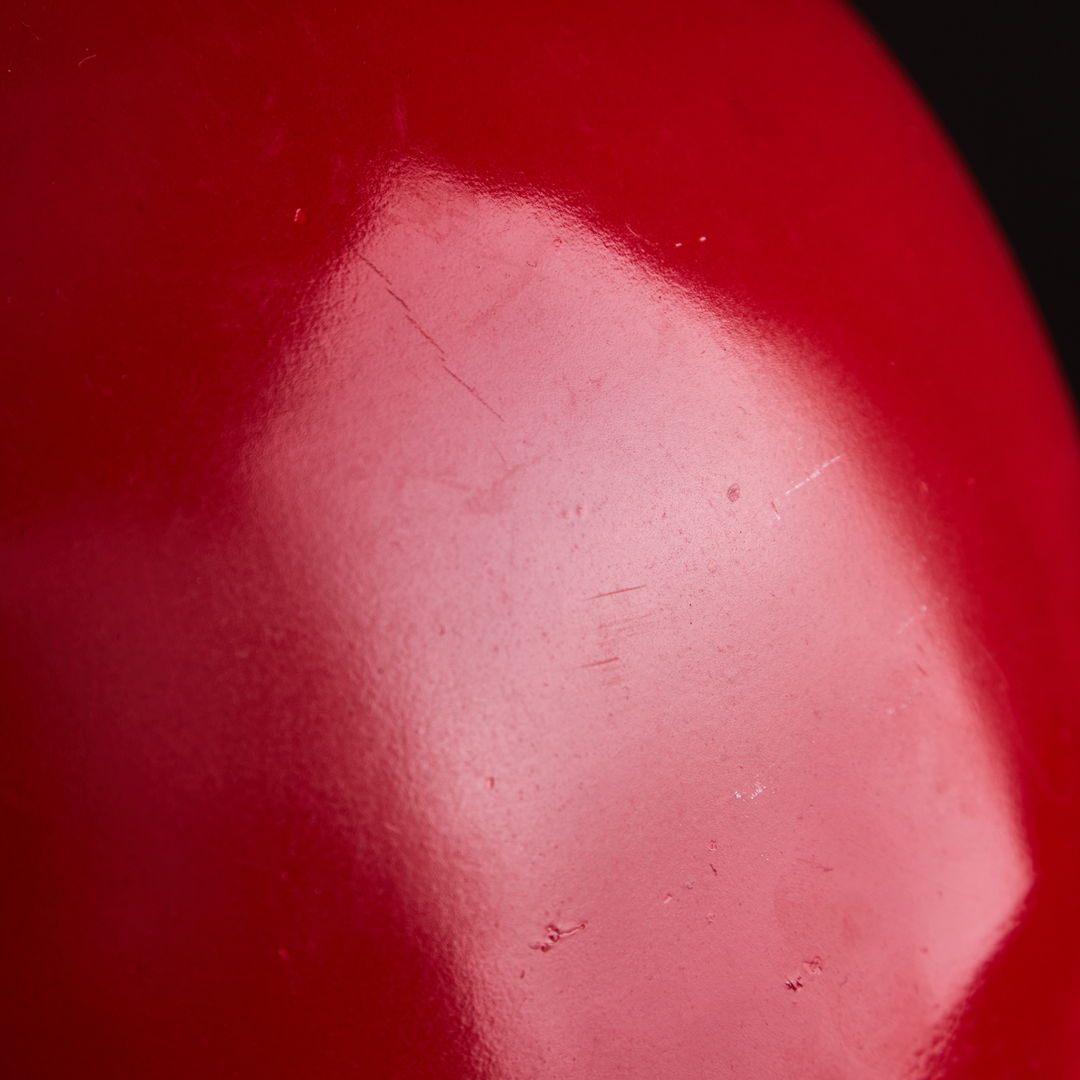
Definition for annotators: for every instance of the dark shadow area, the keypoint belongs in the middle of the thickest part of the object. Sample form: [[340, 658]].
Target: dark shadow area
[[1002, 80]]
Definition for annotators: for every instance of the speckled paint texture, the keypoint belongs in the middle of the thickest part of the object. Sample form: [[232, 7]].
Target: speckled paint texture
[[535, 544]]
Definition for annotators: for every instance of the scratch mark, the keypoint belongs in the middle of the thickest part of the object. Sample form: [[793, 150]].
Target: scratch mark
[[408, 310], [374, 269], [553, 935], [759, 787], [86, 59], [814, 475], [774, 509], [471, 389], [615, 592], [429, 339], [600, 663]]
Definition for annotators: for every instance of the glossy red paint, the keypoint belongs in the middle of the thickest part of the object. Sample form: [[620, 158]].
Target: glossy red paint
[[535, 544]]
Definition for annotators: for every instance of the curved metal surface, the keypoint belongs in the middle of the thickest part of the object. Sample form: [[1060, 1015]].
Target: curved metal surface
[[534, 545]]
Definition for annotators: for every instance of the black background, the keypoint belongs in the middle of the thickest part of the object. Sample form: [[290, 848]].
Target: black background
[[1001, 79]]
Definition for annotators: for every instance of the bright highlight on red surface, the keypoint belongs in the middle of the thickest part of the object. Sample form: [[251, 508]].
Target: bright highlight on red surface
[[507, 450], [535, 545]]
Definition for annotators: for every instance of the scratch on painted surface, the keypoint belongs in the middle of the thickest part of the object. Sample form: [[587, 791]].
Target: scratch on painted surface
[[600, 663], [615, 592], [428, 338], [553, 935], [816, 865], [759, 787], [814, 475], [471, 389]]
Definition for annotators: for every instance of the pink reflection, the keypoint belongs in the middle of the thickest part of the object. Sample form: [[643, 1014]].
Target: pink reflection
[[672, 714]]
